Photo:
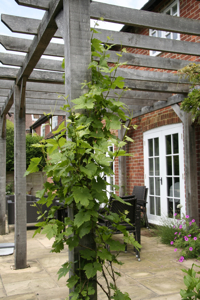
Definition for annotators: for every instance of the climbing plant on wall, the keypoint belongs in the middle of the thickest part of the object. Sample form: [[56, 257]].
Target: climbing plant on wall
[[192, 102], [77, 165]]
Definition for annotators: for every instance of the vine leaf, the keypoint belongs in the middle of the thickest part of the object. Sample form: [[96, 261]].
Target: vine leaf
[[82, 195], [91, 269], [33, 167], [50, 230], [62, 272]]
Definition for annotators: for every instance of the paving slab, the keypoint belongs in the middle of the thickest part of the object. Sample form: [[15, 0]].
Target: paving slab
[[157, 276]]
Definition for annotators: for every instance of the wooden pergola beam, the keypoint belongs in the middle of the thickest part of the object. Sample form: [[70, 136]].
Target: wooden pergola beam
[[40, 42], [43, 64], [141, 18], [148, 42], [127, 16]]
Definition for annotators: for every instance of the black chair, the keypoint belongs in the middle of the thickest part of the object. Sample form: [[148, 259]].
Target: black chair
[[140, 192], [116, 206]]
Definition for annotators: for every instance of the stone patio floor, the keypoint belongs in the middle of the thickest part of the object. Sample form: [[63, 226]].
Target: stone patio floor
[[157, 276]]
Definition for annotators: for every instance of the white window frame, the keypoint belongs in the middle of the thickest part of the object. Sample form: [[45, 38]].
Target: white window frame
[[162, 132], [54, 121], [43, 130], [164, 34], [35, 119]]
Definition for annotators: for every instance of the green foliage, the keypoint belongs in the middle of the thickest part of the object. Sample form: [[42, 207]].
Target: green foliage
[[31, 151], [77, 166], [192, 291], [192, 102], [9, 189], [166, 231], [9, 146]]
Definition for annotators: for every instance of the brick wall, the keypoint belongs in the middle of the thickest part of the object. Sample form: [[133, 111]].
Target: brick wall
[[188, 9], [135, 164], [47, 126]]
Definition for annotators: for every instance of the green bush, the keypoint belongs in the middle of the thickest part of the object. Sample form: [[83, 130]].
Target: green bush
[[166, 231], [30, 151], [34, 151], [192, 283]]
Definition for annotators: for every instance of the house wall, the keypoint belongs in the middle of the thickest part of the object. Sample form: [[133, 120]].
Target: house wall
[[47, 126], [188, 9], [135, 164], [166, 116]]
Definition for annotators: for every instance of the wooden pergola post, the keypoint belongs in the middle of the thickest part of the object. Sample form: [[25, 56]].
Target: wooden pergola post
[[19, 179], [74, 24], [2, 175]]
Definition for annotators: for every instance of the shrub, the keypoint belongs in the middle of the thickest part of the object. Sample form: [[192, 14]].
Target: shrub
[[166, 231], [192, 283], [187, 238]]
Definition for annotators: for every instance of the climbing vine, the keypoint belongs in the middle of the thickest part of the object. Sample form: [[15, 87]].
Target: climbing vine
[[77, 166], [192, 102]]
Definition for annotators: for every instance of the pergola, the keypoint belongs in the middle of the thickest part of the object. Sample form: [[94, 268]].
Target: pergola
[[33, 86]]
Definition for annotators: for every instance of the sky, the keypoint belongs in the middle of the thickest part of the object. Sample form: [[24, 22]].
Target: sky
[[12, 8]]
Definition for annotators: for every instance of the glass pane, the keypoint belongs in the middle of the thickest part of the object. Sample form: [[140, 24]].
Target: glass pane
[[156, 145], [111, 165], [174, 9], [169, 165], [176, 165], [159, 33], [177, 210], [154, 34], [158, 210], [169, 187], [170, 208], [175, 143], [157, 166], [157, 186], [152, 205], [151, 172], [150, 147], [168, 35], [168, 12], [168, 144], [175, 36], [151, 184], [177, 187], [112, 183]]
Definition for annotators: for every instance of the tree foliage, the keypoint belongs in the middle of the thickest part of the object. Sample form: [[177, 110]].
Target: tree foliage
[[77, 166], [31, 152], [191, 104]]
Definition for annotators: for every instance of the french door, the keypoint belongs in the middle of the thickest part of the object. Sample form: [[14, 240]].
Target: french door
[[164, 172]]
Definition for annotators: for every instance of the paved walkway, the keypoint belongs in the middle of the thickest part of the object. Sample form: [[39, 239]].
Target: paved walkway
[[157, 276]]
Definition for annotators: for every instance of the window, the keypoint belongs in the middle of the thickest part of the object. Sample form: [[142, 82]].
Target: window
[[172, 10], [54, 121], [43, 130]]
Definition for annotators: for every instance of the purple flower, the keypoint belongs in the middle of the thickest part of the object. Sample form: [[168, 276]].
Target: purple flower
[[175, 249], [171, 242], [174, 226], [181, 259], [180, 226], [190, 223], [189, 235], [190, 248], [175, 232], [193, 220], [195, 238], [175, 238], [187, 217], [186, 238], [179, 233], [175, 214]]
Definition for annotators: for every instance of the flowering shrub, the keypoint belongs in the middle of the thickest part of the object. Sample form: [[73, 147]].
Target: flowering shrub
[[187, 238]]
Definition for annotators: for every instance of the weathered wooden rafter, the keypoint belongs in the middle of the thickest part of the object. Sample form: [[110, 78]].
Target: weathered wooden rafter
[[123, 15], [17, 61]]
